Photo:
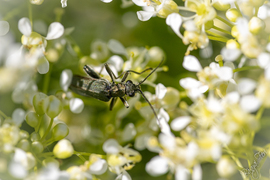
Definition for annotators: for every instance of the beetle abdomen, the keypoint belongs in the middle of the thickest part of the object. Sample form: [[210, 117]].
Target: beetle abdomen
[[90, 87]]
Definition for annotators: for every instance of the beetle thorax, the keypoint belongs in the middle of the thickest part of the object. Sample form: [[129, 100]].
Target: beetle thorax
[[117, 90], [130, 88]]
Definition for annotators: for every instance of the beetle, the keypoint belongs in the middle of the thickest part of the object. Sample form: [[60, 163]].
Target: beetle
[[96, 87]]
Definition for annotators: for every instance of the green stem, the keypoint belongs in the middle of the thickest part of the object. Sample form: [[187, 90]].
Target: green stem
[[221, 30], [80, 156], [30, 13], [256, 11], [217, 39], [245, 68], [47, 80], [215, 34], [13, 13], [224, 21], [47, 130], [220, 63], [3, 114], [237, 7], [259, 113], [82, 153]]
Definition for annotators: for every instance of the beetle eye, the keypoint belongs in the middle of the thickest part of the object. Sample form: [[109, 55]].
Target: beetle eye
[[131, 94]]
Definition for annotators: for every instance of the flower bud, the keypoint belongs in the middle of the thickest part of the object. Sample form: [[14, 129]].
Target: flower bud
[[38, 102], [60, 131], [37, 147], [24, 144], [35, 136], [52, 106], [36, 2], [47, 161], [256, 25], [63, 149], [220, 6], [235, 32], [226, 167], [232, 44], [32, 119], [209, 25], [168, 8], [233, 14], [24, 134], [171, 98], [156, 55]]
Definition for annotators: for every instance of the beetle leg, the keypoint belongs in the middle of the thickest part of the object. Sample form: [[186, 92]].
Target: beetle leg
[[110, 72], [88, 70], [113, 101], [130, 71], [124, 102]]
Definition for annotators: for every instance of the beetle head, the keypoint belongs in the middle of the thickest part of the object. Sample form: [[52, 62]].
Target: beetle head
[[131, 88]]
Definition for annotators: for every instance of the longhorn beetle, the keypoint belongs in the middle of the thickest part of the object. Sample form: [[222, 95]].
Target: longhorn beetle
[[96, 87]]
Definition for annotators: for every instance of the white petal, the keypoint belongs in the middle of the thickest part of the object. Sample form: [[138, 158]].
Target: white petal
[[99, 167], [160, 90], [106, 1], [214, 105], [76, 105], [145, 15], [116, 47], [264, 60], [17, 170], [188, 83], [232, 98], [141, 141], [65, 79], [230, 54], [111, 146], [174, 20], [246, 86], [192, 151], [263, 12], [4, 28], [197, 172], [180, 123], [25, 27], [129, 132], [55, 31], [18, 116], [163, 118], [250, 103], [140, 2], [117, 62], [191, 63], [181, 173], [167, 141], [242, 26], [123, 176], [64, 3], [157, 166], [225, 73], [43, 65]]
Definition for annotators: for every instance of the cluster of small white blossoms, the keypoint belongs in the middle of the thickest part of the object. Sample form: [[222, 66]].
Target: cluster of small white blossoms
[[228, 104]]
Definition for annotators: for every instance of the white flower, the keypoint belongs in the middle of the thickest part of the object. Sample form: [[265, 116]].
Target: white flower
[[246, 86], [63, 149], [180, 123], [174, 20], [64, 3], [160, 90], [76, 105], [129, 132], [123, 176], [250, 103], [98, 167], [191, 63], [116, 47], [18, 116], [4, 28], [195, 88], [157, 166]]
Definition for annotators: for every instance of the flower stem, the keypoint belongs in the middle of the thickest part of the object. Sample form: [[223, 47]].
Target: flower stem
[[221, 30], [245, 68], [30, 13], [221, 39], [47, 80], [3, 114], [259, 113], [237, 7], [47, 130], [224, 21], [80, 156]]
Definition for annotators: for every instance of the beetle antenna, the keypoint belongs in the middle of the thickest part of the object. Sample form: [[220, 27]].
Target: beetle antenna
[[151, 72], [149, 105]]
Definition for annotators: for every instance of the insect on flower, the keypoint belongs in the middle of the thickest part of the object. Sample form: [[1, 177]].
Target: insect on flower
[[96, 87]]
